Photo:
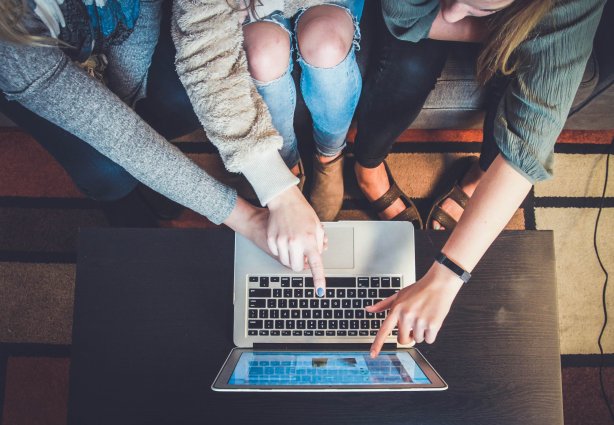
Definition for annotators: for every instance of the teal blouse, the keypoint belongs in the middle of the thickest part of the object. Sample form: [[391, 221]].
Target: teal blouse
[[535, 105]]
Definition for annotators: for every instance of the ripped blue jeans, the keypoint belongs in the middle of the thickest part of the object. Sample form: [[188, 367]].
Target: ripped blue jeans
[[331, 94]]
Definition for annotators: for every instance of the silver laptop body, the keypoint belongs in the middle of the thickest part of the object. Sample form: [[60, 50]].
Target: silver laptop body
[[359, 249]]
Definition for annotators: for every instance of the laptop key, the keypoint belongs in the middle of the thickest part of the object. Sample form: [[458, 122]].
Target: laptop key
[[315, 303], [311, 324], [330, 333], [309, 282], [271, 303], [340, 293], [306, 314], [254, 324], [285, 314], [287, 293], [264, 282], [335, 303], [346, 303], [268, 324], [298, 293], [385, 293], [274, 279], [362, 293], [325, 303], [396, 282], [253, 313], [293, 303], [372, 293], [258, 303], [308, 333], [359, 314], [274, 314], [254, 279], [354, 324], [342, 333], [363, 333], [285, 282], [380, 315], [363, 282], [375, 324], [283, 303], [286, 333], [252, 332], [263, 333], [303, 303], [322, 324], [352, 333], [330, 293], [328, 314], [290, 324], [372, 333], [275, 333], [295, 314], [385, 282], [301, 324], [319, 333], [364, 324], [333, 324], [375, 282], [297, 333], [343, 324], [279, 324], [277, 292], [263, 314], [338, 314], [351, 293], [308, 293], [348, 314], [340, 282], [317, 314], [356, 303], [297, 282]]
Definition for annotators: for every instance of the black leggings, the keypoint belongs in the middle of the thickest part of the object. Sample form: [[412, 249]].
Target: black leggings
[[401, 75]]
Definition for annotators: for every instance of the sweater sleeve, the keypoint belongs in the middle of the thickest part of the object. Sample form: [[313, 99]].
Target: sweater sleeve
[[410, 20], [46, 82], [212, 65], [536, 103]]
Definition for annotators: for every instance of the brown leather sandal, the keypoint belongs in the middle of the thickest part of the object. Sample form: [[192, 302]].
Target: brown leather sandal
[[408, 214], [456, 194]]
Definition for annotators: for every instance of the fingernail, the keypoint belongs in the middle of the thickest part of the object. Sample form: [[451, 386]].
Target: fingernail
[[372, 354], [320, 292]]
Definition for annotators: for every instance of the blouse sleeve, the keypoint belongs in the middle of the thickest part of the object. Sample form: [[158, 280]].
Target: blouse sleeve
[[536, 103]]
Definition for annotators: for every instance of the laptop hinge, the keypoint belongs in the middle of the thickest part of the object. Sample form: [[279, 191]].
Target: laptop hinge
[[326, 347]]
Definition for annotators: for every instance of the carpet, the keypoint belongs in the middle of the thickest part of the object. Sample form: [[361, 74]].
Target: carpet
[[41, 212]]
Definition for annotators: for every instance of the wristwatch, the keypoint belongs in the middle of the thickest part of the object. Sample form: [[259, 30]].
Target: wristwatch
[[442, 259]]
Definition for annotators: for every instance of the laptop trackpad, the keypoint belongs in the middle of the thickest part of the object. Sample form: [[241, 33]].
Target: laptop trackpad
[[340, 252]]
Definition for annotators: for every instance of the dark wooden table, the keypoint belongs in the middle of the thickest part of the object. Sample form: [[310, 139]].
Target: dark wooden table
[[153, 324]]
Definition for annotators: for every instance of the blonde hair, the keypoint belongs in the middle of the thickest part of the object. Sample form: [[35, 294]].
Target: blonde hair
[[507, 30], [12, 28]]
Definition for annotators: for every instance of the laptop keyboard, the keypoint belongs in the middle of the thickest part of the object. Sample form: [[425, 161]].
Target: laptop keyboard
[[287, 306]]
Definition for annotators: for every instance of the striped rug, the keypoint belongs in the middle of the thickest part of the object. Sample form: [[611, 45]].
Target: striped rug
[[41, 212]]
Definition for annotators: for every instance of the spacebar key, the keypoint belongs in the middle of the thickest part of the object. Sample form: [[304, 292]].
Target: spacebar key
[[341, 282]]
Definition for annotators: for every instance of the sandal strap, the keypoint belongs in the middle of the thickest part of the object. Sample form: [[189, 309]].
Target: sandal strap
[[442, 217], [458, 196], [387, 198], [409, 214]]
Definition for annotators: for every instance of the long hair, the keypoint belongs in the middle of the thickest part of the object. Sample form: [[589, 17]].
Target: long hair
[[12, 28], [507, 30]]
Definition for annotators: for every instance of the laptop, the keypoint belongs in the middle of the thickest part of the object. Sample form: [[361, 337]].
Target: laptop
[[288, 339]]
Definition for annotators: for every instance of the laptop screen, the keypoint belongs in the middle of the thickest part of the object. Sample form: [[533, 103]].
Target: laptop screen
[[341, 368]]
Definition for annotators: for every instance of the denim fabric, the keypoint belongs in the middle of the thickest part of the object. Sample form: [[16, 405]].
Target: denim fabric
[[331, 94]]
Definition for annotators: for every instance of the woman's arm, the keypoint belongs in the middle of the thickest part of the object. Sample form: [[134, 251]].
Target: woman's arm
[[212, 65], [46, 82], [423, 306]]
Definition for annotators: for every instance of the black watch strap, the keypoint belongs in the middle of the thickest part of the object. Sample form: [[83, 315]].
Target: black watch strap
[[455, 268]]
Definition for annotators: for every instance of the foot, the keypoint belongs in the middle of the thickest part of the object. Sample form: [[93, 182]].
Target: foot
[[326, 195], [468, 184], [373, 183]]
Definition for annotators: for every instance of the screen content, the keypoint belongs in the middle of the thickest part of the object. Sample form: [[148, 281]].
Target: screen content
[[326, 368]]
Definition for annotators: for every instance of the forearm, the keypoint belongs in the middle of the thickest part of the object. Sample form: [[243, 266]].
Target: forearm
[[212, 66], [494, 202], [469, 29], [48, 84]]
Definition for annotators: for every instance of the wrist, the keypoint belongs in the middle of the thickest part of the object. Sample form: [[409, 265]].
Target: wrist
[[445, 277], [283, 198], [241, 216]]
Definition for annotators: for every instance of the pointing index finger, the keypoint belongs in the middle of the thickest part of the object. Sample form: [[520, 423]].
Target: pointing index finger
[[317, 271], [383, 333]]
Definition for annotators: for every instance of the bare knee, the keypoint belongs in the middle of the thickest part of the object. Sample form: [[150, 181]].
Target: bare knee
[[268, 50], [325, 35]]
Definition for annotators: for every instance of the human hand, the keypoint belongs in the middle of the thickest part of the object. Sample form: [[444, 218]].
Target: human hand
[[251, 222], [296, 236], [419, 310]]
